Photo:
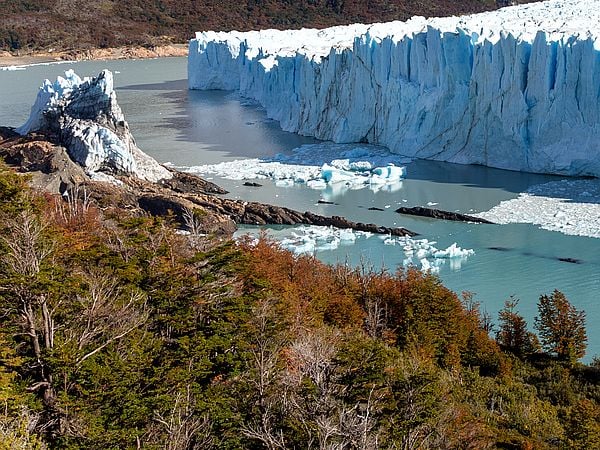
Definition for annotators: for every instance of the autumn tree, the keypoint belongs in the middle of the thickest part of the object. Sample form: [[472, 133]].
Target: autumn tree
[[561, 327], [513, 335]]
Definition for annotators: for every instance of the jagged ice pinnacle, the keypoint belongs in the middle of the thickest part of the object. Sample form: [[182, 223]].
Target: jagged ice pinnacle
[[85, 116], [517, 88]]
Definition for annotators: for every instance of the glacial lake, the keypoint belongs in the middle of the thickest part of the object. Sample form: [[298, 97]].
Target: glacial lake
[[188, 128]]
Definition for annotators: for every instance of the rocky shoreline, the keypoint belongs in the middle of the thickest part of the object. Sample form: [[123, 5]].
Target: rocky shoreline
[[8, 59], [53, 171], [77, 141]]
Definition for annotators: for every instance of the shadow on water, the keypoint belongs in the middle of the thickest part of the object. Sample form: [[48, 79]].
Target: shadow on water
[[222, 121]]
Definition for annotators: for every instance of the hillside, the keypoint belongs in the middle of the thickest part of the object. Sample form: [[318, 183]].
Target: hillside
[[83, 24], [116, 331]]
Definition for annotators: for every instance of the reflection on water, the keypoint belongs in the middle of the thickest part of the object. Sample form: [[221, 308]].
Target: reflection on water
[[192, 128]]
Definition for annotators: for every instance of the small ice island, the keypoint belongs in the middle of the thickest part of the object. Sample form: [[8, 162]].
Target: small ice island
[[83, 113], [517, 88]]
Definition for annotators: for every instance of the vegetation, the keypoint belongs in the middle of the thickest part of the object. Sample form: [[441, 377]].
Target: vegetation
[[116, 332], [81, 24], [561, 327]]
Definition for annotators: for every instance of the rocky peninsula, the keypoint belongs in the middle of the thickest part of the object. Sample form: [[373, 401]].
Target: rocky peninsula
[[77, 142]]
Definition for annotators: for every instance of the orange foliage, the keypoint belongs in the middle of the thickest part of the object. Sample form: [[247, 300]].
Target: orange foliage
[[409, 307], [307, 288]]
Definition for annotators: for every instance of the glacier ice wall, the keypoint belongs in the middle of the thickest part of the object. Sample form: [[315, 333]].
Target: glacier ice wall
[[517, 88]]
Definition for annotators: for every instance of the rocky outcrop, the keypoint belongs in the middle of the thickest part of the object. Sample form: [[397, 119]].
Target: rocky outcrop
[[49, 165], [77, 136], [52, 170], [439, 214], [83, 116]]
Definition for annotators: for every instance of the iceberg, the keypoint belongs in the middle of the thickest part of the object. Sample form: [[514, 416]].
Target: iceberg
[[85, 116], [421, 253], [517, 88]]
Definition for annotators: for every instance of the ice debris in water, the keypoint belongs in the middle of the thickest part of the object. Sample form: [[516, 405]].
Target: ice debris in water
[[568, 206], [422, 253], [309, 239], [319, 166]]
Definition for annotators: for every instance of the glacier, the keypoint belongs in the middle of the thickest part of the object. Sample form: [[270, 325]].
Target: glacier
[[83, 113], [517, 88]]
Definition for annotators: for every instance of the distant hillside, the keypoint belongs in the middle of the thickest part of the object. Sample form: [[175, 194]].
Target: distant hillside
[[81, 24]]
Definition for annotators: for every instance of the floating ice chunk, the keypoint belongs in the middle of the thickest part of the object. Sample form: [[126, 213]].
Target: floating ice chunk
[[454, 251], [316, 184], [426, 266], [389, 172], [360, 166], [332, 175], [568, 206], [335, 176], [418, 252], [284, 183], [309, 239], [422, 249], [347, 235]]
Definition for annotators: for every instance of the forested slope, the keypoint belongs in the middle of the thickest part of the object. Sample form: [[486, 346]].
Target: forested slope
[[81, 24], [118, 332]]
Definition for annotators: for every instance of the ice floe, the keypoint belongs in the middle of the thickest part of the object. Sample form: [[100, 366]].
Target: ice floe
[[334, 167], [569, 206], [424, 253]]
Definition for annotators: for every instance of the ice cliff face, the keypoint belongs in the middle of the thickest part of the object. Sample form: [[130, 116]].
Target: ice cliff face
[[85, 116], [518, 88]]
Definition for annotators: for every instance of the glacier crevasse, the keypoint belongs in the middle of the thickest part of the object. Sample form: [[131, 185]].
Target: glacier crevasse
[[517, 88]]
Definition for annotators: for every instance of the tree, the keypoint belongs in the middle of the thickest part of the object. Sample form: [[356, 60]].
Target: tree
[[513, 335], [561, 327]]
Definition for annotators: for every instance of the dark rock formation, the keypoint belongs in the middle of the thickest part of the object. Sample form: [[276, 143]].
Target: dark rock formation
[[185, 183], [52, 170], [439, 214]]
